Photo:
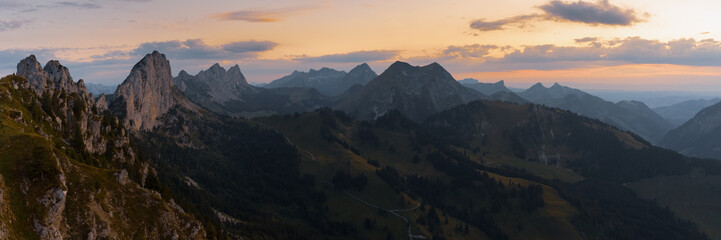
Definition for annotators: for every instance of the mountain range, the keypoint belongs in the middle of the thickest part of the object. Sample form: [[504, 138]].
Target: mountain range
[[679, 113], [699, 136], [227, 92], [327, 81], [632, 116], [417, 92], [411, 154]]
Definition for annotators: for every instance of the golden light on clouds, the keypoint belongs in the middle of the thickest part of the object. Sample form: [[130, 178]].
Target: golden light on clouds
[[413, 29]]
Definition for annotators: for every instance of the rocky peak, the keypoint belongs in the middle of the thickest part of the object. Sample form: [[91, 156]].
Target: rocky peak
[[54, 76], [417, 92], [360, 74], [31, 69], [146, 93], [235, 73], [537, 86], [59, 75], [216, 84]]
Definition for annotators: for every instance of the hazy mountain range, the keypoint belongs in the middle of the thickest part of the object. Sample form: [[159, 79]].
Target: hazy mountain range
[[327, 81], [633, 116], [678, 114], [412, 153]]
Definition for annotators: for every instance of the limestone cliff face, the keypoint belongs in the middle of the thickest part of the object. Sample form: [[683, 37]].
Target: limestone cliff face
[[146, 93]]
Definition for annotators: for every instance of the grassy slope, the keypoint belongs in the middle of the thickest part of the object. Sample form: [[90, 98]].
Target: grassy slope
[[304, 131], [695, 197]]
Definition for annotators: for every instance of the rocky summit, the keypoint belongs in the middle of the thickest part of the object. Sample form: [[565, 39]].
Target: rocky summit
[[146, 93], [417, 92]]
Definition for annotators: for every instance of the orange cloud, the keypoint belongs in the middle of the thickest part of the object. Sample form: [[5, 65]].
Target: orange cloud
[[267, 15]]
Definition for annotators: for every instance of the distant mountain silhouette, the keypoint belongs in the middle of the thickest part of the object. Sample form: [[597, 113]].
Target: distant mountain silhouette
[[327, 81], [698, 137], [633, 116], [228, 93], [497, 90], [679, 113], [417, 92]]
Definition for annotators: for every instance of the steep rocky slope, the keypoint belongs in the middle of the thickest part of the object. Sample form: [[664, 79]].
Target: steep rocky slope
[[145, 94], [68, 170]]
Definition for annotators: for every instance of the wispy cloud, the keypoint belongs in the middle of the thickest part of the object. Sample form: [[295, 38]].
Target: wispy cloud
[[519, 21], [586, 39], [594, 51], [13, 24], [592, 13], [86, 5], [352, 57], [264, 15], [599, 13], [197, 49], [469, 51]]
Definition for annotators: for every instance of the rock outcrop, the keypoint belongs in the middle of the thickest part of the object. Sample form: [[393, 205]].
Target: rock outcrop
[[66, 152], [146, 93]]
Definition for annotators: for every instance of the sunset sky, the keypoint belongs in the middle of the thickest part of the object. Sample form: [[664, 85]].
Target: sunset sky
[[614, 44]]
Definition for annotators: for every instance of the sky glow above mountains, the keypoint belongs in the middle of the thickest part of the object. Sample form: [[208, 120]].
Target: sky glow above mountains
[[643, 44]]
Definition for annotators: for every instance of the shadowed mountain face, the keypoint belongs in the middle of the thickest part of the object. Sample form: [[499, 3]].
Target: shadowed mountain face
[[633, 116], [327, 81], [679, 113], [497, 90], [228, 93], [417, 92], [698, 137]]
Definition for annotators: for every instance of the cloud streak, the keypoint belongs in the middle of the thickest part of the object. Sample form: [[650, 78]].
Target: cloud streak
[[598, 13], [10, 25], [263, 16], [197, 49], [85, 5], [352, 57], [592, 52]]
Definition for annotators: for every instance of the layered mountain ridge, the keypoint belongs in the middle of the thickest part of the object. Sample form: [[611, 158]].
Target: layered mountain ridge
[[456, 165], [632, 116], [327, 81], [700, 136]]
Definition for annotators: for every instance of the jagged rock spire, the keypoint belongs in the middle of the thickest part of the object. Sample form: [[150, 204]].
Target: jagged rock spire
[[146, 93]]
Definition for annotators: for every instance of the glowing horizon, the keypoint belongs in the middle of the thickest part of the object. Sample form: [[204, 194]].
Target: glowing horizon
[[656, 45]]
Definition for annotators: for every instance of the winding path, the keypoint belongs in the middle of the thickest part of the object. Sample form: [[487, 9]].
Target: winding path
[[394, 212]]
